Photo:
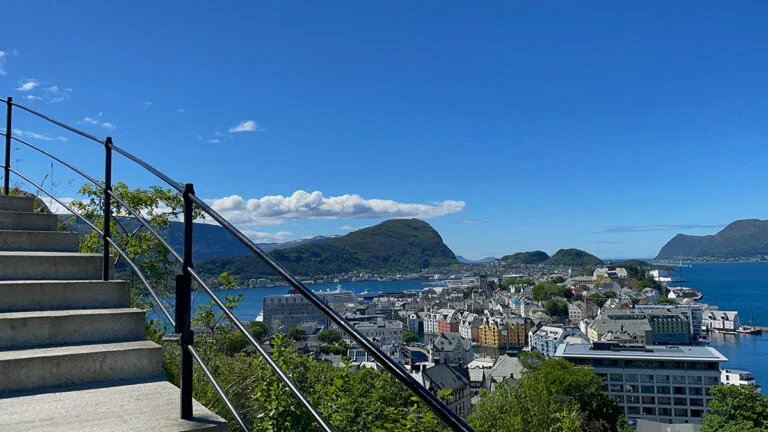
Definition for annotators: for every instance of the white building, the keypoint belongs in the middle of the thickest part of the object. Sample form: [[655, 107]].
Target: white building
[[668, 384], [721, 320], [467, 323], [430, 322], [737, 377], [382, 331], [547, 338], [282, 312]]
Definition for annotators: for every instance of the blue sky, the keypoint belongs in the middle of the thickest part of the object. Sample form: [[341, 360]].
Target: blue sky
[[606, 126]]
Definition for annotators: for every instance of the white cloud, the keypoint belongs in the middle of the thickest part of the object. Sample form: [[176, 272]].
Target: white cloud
[[32, 97], [246, 126], [213, 141], [181, 110], [96, 122], [3, 55], [276, 209], [264, 237], [37, 136], [57, 208], [353, 227], [147, 103], [27, 85], [54, 94]]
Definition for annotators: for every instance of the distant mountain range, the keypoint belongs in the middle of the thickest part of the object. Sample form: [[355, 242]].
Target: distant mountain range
[[480, 261], [393, 246], [746, 238], [208, 241]]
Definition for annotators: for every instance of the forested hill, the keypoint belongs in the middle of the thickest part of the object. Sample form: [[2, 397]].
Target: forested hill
[[208, 241], [746, 238], [533, 257], [573, 258], [394, 246]]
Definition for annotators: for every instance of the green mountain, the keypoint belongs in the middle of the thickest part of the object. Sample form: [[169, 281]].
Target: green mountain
[[573, 258], [208, 241], [394, 246], [534, 257], [741, 239]]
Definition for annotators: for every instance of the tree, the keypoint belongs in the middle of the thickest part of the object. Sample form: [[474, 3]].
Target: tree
[[546, 290], [552, 395], [297, 334], [556, 309], [736, 408], [558, 279], [258, 329], [410, 337], [328, 336]]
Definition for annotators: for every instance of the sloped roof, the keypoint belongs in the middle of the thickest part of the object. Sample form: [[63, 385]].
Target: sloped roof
[[442, 377]]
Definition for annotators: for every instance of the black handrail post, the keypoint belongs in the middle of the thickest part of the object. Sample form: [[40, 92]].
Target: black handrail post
[[107, 206], [184, 308], [6, 178]]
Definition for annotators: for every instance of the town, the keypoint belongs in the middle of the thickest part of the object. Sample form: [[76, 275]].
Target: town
[[466, 333]]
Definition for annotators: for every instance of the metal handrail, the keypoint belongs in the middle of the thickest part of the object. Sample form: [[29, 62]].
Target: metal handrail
[[447, 416]]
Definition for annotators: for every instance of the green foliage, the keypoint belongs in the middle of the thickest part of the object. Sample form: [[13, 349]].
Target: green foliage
[[552, 395], [546, 290], [573, 258], [558, 279], [556, 309], [610, 294], [597, 299], [258, 329], [516, 281], [297, 334], [328, 336], [410, 337], [394, 246], [534, 257], [736, 408]]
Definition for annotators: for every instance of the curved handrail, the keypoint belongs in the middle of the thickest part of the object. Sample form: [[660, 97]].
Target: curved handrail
[[446, 415], [59, 160]]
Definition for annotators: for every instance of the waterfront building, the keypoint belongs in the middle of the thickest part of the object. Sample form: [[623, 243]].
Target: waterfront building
[[721, 320], [737, 378], [451, 348], [668, 384], [694, 313], [469, 326], [547, 338], [505, 332], [648, 326], [382, 331], [448, 323], [282, 312], [413, 322], [430, 323]]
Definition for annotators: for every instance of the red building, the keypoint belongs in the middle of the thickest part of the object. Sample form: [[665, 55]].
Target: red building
[[448, 323]]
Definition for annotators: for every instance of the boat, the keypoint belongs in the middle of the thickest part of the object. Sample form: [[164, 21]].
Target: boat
[[751, 328]]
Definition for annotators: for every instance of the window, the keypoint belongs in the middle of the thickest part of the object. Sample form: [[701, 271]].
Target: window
[[616, 387], [616, 377], [630, 378], [662, 379], [648, 389], [631, 388], [681, 412], [695, 391], [697, 413], [618, 398], [695, 380], [711, 380], [663, 390], [633, 399], [649, 411], [665, 412], [681, 401], [678, 379], [646, 378], [679, 390], [649, 400], [633, 410], [696, 402], [664, 400]]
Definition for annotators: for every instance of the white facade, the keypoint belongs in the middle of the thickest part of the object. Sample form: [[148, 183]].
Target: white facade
[[465, 326], [282, 312], [721, 320], [737, 377], [430, 322]]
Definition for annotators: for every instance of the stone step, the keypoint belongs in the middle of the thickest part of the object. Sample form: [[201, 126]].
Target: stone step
[[39, 368], [16, 203], [134, 407], [24, 221], [20, 296], [50, 266], [40, 241], [87, 326]]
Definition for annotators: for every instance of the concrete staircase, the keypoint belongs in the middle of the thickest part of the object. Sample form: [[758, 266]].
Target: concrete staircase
[[73, 356]]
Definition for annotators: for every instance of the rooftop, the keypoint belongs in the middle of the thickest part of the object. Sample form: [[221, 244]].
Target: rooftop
[[655, 352]]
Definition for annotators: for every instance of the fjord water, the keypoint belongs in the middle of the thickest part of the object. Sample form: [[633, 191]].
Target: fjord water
[[730, 286], [741, 287]]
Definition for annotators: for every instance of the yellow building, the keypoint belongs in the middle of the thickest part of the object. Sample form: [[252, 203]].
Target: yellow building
[[505, 332]]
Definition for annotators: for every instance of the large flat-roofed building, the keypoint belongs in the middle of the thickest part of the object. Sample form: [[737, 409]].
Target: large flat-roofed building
[[282, 312], [668, 384]]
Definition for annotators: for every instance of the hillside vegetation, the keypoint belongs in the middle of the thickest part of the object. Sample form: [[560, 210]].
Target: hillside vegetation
[[741, 239], [394, 246], [573, 258], [533, 257]]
